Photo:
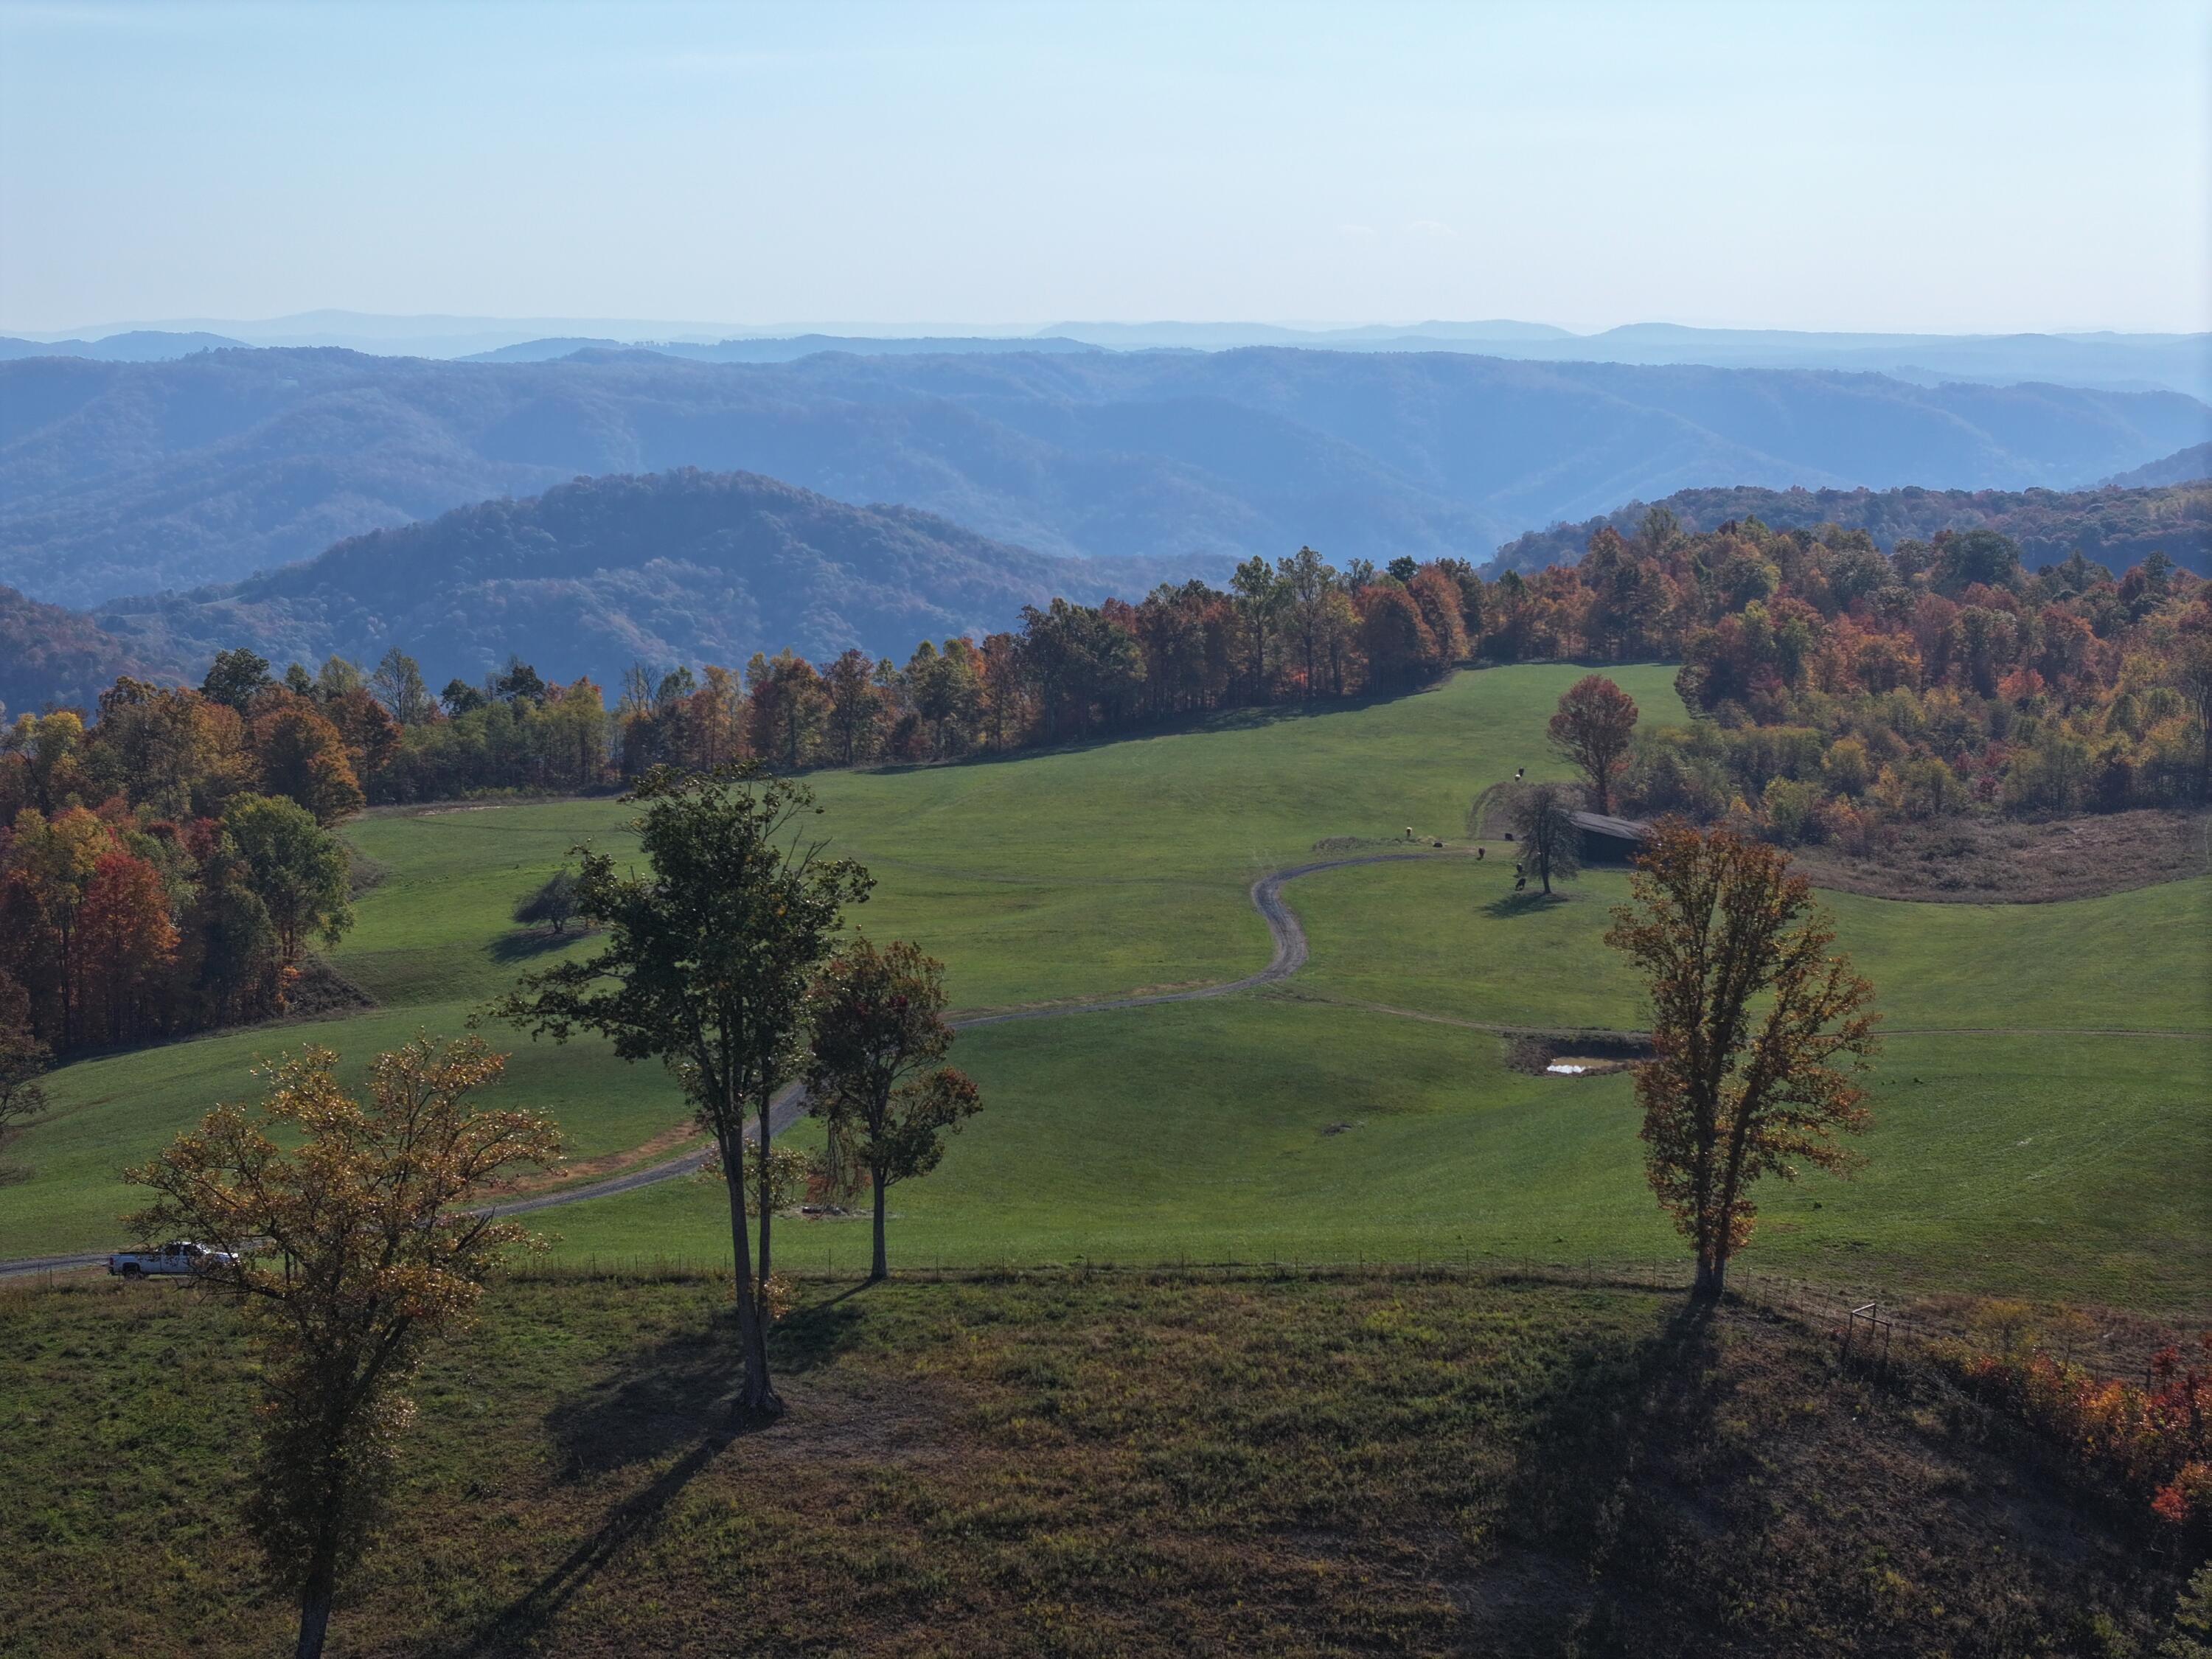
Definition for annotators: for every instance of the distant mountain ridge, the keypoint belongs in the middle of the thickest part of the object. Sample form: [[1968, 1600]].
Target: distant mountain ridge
[[124, 478], [594, 575], [2103, 359], [2183, 467], [2114, 526], [138, 346], [785, 351]]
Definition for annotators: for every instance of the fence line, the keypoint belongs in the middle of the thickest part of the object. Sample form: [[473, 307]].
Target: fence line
[[1846, 1314]]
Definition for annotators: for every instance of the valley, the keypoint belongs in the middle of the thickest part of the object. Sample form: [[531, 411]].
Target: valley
[[2057, 1050]]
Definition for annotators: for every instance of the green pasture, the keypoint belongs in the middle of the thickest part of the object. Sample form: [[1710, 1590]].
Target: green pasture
[[1450, 937], [1303, 1122]]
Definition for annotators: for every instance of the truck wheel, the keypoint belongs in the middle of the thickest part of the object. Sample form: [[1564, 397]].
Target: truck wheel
[[130, 1270]]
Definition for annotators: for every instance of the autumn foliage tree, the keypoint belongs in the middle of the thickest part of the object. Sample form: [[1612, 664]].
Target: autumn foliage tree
[[1591, 730], [354, 1252], [1759, 1030], [875, 1074]]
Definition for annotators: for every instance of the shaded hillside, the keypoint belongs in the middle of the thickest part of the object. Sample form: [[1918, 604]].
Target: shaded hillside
[[594, 575], [1087, 1465], [48, 654], [2114, 527], [2183, 467], [119, 478]]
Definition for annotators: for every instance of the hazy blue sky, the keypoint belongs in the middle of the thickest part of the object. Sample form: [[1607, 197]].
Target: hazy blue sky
[[1922, 165]]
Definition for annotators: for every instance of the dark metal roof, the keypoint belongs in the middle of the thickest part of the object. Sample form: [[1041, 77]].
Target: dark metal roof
[[1619, 829]]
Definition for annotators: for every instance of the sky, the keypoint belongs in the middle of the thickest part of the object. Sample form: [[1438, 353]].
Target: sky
[[1919, 166]]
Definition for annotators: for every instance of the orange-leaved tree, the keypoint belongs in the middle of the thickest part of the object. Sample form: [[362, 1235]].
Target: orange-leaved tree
[[352, 1253], [1591, 730], [874, 1076], [1759, 1030]]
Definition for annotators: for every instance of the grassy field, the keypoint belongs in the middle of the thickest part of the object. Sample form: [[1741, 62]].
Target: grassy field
[[1078, 1466], [1302, 1123]]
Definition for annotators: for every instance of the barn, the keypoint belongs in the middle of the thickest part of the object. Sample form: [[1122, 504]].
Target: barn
[[1605, 840]]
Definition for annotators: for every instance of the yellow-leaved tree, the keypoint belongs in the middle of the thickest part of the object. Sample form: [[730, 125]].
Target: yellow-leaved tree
[[354, 1249]]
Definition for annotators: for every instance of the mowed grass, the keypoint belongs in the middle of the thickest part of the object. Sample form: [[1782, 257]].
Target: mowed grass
[[1451, 937], [1302, 1124], [1269, 1130], [1077, 1465], [1120, 867]]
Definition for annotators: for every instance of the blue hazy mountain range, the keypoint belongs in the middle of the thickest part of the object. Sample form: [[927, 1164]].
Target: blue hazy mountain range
[[2180, 362], [123, 478]]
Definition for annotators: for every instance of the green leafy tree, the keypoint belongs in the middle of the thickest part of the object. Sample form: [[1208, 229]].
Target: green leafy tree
[[875, 1075], [294, 866], [398, 685], [459, 698], [707, 965], [234, 676], [1260, 594], [23, 1061], [1759, 1032], [552, 905], [354, 1253]]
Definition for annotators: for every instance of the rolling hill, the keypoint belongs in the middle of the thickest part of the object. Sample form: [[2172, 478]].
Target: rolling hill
[[121, 478], [50, 655], [596, 574], [2183, 467], [2114, 526]]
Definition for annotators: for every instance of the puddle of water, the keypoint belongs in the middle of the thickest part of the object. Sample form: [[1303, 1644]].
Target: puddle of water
[[1566, 1071]]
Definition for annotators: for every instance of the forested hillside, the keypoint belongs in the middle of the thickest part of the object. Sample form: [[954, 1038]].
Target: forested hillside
[[50, 655], [595, 576], [121, 478], [2114, 526], [2183, 467]]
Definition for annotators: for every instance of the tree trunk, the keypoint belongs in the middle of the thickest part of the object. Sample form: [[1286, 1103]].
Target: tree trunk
[[315, 1610], [882, 1268], [767, 1192], [1711, 1274], [756, 1396]]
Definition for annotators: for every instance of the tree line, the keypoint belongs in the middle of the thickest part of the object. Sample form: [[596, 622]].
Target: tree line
[[1843, 693], [164, 869]]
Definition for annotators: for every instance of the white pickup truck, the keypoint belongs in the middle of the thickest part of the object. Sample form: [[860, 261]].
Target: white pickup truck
[[180, 1255]]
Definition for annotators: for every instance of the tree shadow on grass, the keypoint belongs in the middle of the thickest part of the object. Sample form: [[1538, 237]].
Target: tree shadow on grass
[[1606, 1480], [673, 1397], [517, 1626], [1519, 904], [813, 1336], [526, 944]]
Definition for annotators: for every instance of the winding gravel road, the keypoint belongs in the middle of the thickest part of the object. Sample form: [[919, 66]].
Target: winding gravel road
[[783, 1111]]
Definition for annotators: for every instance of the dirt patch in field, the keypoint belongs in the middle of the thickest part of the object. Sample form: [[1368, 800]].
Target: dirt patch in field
[[1597, 1054], [321, 992], [2000, 861]]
